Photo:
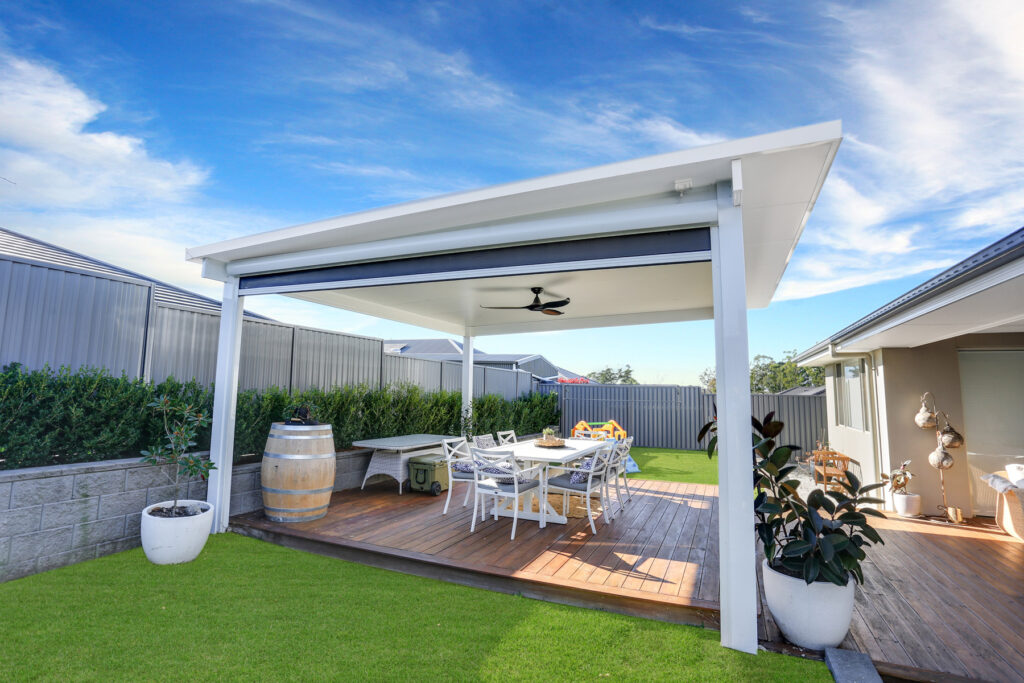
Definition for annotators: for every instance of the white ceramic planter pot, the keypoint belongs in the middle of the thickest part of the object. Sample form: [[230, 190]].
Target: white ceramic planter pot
[[815, 616], [173, 540], [907, 504]]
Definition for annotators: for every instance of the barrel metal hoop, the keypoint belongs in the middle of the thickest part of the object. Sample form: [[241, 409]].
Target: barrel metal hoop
[[273, 509], [297, 437], [297, 492], [298, 428], [307, 518], [297, 456]]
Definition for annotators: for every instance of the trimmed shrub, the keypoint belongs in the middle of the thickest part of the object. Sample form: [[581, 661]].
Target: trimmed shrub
[[52, 417]]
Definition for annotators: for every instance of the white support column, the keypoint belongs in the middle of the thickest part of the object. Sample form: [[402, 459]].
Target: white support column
[[467, 377], [225, 397], [738, 592]]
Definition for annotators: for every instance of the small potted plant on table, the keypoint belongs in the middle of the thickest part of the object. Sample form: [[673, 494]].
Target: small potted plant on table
[[905, 504], [175, 531]]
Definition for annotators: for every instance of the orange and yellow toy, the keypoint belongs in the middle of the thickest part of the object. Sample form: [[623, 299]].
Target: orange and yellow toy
[[612, 428]]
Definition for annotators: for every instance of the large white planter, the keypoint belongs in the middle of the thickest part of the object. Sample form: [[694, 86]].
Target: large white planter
[[173, 540], [815, 616], [907, 504]]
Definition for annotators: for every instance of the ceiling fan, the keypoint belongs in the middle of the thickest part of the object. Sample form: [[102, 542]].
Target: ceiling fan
[[547, 308]]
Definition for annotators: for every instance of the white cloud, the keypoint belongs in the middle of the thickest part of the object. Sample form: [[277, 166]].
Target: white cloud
[[939, 93], [51, 159]]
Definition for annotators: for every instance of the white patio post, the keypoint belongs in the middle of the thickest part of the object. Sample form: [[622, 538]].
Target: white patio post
[[467, 379], [738, 592], [225, 397]]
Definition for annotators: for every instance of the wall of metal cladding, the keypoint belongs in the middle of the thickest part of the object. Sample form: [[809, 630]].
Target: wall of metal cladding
[[671, 416], [183, 345], [55, 317], [426, 374], [329, 359], [266, 355], [501, 382], [539, 367]]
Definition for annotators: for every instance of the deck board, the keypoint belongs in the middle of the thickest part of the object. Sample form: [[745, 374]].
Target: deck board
[[938, 600]]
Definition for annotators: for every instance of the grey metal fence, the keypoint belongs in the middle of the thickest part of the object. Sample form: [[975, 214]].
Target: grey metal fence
[[669, 416], [60, 317]]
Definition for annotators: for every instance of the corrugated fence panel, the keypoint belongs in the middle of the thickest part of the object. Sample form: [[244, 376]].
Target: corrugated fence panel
[[183, 345], [655, 416], [451, 376], [524, 383], [500, 382], [266, 356], [56, 317], [397, 370], [805, 417], [671, 416], [328, 359]]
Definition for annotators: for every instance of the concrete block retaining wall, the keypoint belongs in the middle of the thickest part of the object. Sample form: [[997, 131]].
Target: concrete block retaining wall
[[55, 516]]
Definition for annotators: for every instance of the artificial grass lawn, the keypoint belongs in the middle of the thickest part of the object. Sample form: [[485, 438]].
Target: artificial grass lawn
[[255, 611], [665, 464]]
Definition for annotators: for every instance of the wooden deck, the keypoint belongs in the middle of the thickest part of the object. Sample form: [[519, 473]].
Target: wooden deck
[[938, 600]]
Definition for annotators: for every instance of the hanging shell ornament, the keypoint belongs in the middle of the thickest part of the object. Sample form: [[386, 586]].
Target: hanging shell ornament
[[950, 438], [925, 419], [940, 458]]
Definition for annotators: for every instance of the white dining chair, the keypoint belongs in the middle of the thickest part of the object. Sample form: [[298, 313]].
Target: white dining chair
[[498, 475], [460, 467], [586, 483], [505, 438], [484, 441], [617, 469]]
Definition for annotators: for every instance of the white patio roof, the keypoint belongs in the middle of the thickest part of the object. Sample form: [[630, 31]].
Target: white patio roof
[[782, 174], [701, 233]]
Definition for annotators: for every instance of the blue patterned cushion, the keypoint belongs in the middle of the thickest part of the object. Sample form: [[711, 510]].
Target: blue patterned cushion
[[502, 475], [581, 475], [462, 467]]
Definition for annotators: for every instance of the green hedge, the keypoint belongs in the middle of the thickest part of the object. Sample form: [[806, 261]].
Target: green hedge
[[51, 417]]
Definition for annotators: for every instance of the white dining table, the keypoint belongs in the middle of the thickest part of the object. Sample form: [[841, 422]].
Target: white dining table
[[528, 453]]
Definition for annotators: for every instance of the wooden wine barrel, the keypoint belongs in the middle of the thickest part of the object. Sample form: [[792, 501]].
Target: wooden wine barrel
[[298, 472]]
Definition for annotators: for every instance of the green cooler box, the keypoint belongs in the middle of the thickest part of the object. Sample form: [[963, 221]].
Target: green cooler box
[[428, 473]]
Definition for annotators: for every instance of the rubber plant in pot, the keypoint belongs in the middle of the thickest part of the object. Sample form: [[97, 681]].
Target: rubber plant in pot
[[813, 548], [175, 531], [905, 504]]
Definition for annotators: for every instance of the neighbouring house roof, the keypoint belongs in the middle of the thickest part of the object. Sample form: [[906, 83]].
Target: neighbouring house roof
[[997, 272], [407, 346], [804, 391], [23, 247], [410, 348]]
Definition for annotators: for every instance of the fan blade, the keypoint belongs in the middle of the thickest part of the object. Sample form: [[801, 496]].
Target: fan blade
[[556, 304], [550, 311], [506, 308]]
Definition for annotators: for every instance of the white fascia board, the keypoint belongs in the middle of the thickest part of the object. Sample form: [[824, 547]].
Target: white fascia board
[[977, 285], [690, 212], [546, 193], [818, 360], [825, 168], [595, 264]]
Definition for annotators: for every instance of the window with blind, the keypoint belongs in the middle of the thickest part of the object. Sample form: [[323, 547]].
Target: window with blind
[[851, 394]]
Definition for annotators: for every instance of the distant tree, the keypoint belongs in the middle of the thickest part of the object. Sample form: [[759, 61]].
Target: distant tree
[[770, 376], [610, 376], [707, 380]]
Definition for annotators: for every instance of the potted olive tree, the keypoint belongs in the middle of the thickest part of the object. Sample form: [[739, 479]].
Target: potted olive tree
[[905, 504], [175, 531], [813, 548]]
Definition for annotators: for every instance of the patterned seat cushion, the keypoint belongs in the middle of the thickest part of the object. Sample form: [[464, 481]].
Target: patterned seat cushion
[[581, 475]]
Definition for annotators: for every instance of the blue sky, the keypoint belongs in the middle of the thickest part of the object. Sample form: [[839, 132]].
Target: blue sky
[[131, 130]]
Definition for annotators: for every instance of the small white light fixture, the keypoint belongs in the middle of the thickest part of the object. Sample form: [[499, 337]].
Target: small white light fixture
[[683, 185]]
